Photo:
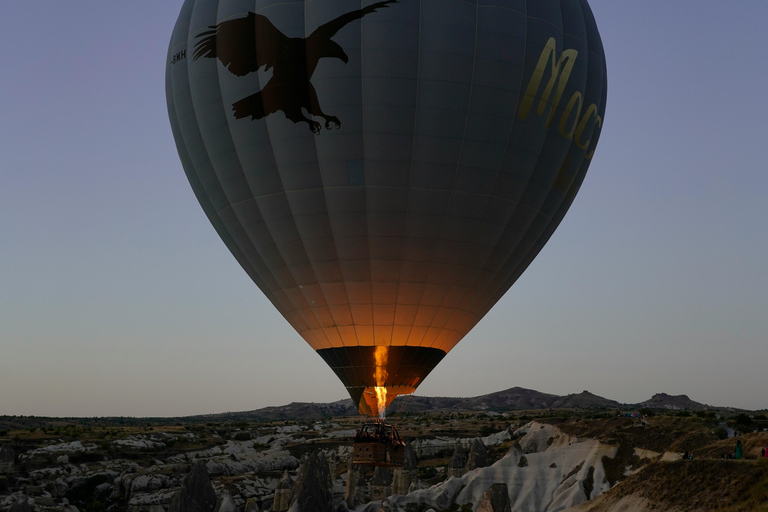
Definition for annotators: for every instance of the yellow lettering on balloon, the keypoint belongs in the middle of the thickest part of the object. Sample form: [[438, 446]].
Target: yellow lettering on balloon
[[591, 111], [577, 97], [598, 122], [560, 68]]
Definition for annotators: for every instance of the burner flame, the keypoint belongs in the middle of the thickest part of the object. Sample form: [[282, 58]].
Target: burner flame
[[381, 354]]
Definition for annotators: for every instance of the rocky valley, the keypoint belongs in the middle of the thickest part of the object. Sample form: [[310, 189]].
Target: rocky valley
[[515, 450]]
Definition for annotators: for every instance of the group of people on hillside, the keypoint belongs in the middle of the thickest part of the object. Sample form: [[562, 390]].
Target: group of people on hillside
[[739, 451]]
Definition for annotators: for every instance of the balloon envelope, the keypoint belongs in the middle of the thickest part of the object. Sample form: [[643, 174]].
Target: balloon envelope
[[385, 171]]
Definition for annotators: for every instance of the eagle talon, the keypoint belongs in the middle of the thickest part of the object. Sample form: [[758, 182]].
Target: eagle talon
[[332, 122], [315, 127]]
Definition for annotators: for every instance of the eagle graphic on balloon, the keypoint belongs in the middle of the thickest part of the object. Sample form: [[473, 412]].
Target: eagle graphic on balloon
[[246, 44]]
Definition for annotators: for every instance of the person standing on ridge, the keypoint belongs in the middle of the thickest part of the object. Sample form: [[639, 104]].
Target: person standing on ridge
[[739, 450]]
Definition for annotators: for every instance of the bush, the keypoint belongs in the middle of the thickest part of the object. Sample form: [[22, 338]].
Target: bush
[[486, 430], [742, 420], [720, 433]]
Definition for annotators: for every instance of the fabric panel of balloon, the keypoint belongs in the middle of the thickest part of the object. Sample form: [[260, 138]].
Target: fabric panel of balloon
[[385, 171]]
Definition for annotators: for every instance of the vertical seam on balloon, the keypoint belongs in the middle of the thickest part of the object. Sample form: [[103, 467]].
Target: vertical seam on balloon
[[365, 189], [336, 249], [330, 225], [243, 172], [463, 263], [456, 172], [241, 258], [178, 122], [578, 178], [410, 178], [234, 248], [256, 205], [335, 242], [296, 310], [491, 290], [362, 137], [477, 270], [418, 304], [546, 233], [515, 271], [310, 309], [518, 205], [194, 111]]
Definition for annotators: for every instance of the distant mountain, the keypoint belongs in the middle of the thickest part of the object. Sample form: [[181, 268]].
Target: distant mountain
[[513, 399], [586, 400], [292, 411], [674, 402]]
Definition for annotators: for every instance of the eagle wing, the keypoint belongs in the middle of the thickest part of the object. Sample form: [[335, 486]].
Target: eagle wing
[[243, 45], [328, 30]]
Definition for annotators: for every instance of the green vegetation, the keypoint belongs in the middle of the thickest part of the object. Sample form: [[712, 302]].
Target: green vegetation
[[722, 485]]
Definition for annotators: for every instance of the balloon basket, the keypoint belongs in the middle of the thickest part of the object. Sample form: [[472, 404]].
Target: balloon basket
[[378, 444]]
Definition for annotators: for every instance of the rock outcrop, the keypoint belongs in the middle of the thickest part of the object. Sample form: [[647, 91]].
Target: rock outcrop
[[381, 483], [478, 456], [404, 476], [226, 503], [458, 464], [354, 494], [313, 491], [251, 505], [7, 460], [283, 493], [495, 499], [197, 494], [557, 476]]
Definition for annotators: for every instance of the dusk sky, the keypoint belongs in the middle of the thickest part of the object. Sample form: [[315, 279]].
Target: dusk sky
[[117, 297]]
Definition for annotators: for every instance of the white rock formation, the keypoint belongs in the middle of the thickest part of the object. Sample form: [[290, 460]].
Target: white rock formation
[[558, 473]]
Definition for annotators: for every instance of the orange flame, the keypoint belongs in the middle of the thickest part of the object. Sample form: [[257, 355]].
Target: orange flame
[[381, 354]]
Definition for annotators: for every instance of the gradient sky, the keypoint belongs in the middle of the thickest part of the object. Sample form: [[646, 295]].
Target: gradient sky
[[118, 298]]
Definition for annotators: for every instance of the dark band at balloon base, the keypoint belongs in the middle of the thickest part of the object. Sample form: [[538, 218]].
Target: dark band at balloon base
[[406, 367]]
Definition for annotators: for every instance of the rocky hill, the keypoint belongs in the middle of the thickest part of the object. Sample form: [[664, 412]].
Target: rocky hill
[[294, 411], [509, 400], [673, 402], [693, 485]]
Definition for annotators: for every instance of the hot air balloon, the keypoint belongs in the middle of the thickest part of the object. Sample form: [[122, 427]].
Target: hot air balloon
[[385, 171]]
